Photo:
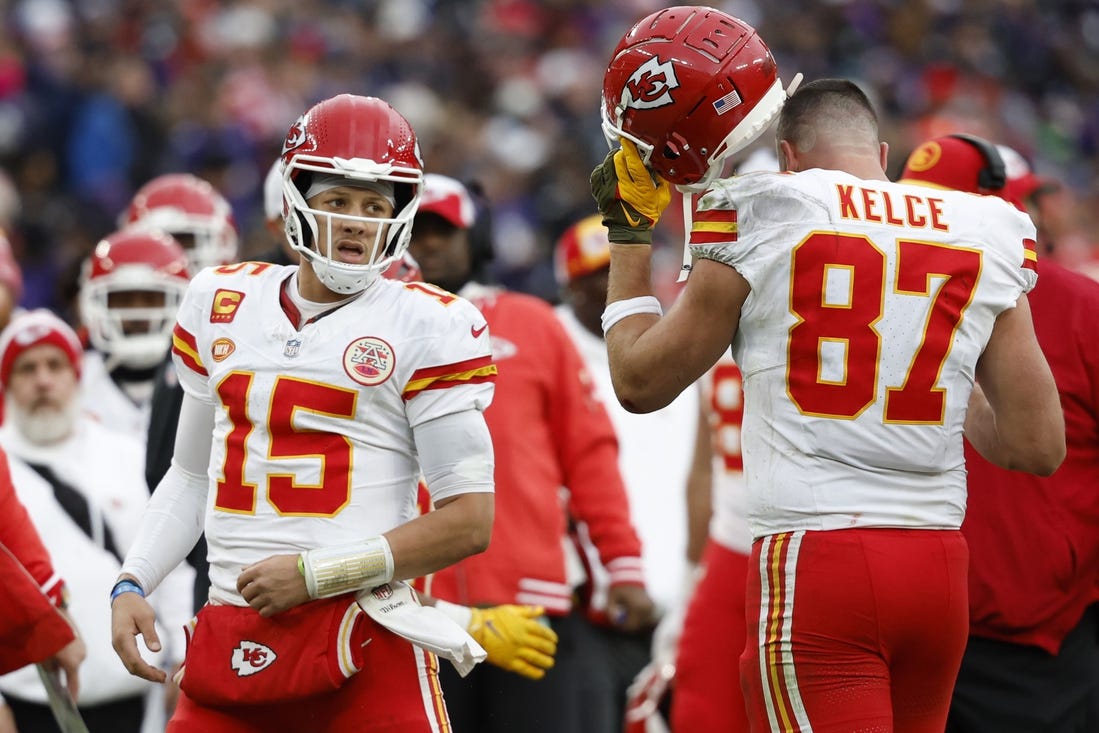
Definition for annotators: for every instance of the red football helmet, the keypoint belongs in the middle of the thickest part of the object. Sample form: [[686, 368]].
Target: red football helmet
[[690, 86], [192, 212], [363, 139], [131, 287]]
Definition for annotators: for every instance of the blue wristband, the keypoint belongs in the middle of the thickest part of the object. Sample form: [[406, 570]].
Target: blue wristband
[[126, 586]]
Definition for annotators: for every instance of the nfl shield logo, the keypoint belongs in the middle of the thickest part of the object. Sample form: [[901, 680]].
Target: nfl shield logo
[[293, 346]]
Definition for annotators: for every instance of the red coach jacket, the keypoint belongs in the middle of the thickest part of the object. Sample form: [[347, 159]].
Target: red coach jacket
[[1034, 542], [548, 432]]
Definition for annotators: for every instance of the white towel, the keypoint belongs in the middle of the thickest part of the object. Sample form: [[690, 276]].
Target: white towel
[[395, 606]]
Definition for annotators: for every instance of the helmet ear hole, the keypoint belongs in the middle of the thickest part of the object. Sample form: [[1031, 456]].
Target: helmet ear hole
[[305, 231]]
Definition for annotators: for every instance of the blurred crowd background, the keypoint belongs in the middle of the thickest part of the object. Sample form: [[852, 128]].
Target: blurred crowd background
[[98, 96]]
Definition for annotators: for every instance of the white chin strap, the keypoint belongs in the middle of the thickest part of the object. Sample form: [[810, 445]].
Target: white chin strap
[[345, 279]]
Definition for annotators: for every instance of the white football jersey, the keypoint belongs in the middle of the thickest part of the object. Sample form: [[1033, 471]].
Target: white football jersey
[[871, 302], [313, 441]]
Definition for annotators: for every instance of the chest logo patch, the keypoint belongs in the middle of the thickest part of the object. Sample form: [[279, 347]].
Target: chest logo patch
[[251, 657], [369, 361], [222, 348], [225, 305]]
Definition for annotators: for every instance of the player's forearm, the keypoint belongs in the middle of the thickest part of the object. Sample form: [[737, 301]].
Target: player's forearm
[[1018, 450], [629, 291], [459, 527], [170, 527]]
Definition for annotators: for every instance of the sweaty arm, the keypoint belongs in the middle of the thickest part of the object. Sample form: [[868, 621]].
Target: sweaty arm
[[654, 358], [1015, 418], [173, 519]]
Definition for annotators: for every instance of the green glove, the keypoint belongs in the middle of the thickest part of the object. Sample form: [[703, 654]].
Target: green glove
[[630, 197]]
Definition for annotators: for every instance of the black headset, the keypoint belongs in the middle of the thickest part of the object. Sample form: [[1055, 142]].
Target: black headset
[[993, 175]]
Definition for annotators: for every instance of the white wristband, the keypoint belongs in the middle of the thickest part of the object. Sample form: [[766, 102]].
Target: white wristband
[[620, 309], [330, 571]]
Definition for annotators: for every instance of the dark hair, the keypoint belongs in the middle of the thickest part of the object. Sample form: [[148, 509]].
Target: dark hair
[[820, 100]]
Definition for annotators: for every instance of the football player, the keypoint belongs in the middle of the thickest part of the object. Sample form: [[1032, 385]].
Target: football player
[[861, 313], [315, 397]]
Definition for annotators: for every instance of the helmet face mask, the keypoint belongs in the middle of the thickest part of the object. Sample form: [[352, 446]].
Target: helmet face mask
[[365, 140], [690, 86], [131, 288]]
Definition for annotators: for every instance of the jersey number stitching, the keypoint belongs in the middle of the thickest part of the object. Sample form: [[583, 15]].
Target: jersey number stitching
[[284, 493], [849, 326]]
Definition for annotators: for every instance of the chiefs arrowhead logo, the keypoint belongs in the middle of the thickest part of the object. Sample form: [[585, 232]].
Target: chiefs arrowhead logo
[[651, 85], [251, 657], [297, 137]]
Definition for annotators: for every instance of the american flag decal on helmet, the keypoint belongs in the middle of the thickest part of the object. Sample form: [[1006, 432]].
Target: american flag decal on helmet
[[726, 103], [714, 225]]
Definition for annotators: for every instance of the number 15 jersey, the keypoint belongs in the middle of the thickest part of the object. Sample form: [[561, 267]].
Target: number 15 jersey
[[871, 302], [313, 432]]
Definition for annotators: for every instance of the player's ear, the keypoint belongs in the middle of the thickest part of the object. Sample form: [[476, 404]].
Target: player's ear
[[787, 157], [884, 154]]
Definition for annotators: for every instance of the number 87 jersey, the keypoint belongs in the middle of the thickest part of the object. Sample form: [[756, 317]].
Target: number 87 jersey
[[313, 427], [870, 304]]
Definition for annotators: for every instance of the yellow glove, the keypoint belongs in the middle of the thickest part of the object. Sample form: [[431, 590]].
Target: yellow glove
[[630, 197], [515, 639]]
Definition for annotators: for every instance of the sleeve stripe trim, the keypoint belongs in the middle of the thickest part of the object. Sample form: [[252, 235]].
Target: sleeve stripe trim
[[189, 358], [712, 237], [475, 376], [51, 583], [716, 215], [183, 335], [714, 226], [1031, 264], [455, 368]]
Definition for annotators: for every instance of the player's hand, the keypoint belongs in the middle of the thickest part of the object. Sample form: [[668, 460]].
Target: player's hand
[[69, 658], [630, 197], [132, 616], [515, 638], [273, 585], [629, 607]]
